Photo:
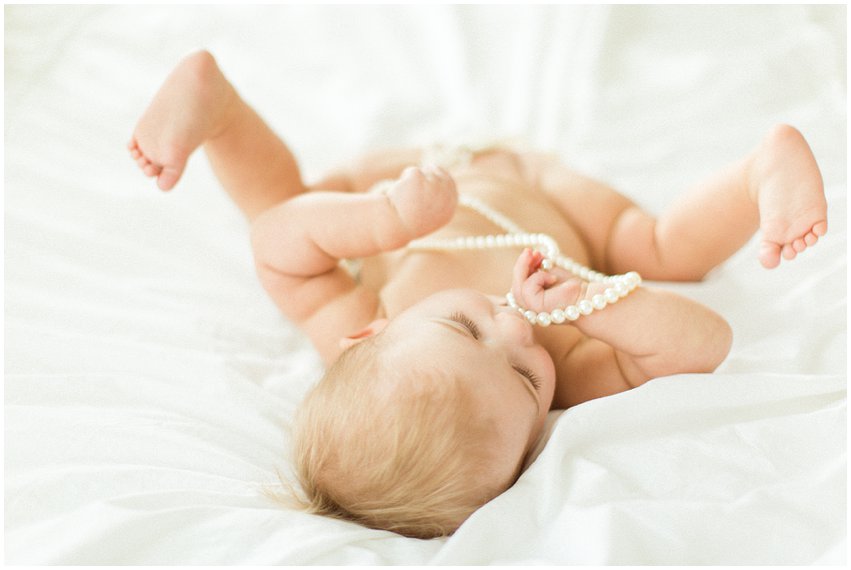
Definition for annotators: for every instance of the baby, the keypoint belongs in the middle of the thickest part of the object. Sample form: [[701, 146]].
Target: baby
[[436, 387]]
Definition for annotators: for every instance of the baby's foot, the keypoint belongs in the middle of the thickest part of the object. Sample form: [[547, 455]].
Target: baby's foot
[[786, 183], [191, 106]]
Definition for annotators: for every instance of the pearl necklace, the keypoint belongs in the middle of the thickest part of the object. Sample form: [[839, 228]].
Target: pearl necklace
[[620, 285]]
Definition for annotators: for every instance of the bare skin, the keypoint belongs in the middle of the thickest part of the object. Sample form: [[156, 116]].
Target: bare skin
[[196, 106], [776, 189], [786, 183], [191, 106]]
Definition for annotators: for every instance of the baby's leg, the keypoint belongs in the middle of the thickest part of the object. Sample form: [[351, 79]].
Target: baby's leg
[[777, 189], [197, 105]]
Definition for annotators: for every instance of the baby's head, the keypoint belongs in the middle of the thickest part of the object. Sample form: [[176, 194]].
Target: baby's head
[[424, 419]]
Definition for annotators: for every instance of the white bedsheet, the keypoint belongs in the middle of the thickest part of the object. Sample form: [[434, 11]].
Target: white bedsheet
[[149, 383]]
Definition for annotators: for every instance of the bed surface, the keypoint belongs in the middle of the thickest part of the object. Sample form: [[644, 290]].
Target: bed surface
[[150, 384]]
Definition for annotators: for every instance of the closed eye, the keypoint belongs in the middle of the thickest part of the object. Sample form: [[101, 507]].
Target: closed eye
[[533, 379], [467, 323], [471, 326]]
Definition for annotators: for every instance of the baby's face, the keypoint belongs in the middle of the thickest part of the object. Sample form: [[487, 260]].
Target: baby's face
[[492, 347]]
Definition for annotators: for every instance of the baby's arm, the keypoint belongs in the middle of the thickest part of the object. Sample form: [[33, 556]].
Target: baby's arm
[[307, 235], [649, 333], [297, 245]]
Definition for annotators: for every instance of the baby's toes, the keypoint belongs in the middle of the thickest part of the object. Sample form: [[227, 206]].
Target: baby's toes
[[810, 239], [151, 170], [799, 245], [788, 252], [133, 147], [167, 177], [147, 167], [769, 254]]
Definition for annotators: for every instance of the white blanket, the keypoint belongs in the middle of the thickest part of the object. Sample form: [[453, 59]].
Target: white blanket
[[150, 384]]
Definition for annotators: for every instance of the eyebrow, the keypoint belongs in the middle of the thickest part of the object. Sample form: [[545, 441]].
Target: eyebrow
[[463, 331]]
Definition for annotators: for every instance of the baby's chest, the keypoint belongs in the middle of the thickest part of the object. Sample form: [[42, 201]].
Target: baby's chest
[[407, 275]]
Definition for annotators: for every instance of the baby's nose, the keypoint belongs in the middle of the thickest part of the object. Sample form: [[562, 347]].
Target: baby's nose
[[515, 328]]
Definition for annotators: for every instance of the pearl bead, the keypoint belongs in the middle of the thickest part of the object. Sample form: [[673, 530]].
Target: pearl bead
[[611, 296], [634, 278], [515, 236]]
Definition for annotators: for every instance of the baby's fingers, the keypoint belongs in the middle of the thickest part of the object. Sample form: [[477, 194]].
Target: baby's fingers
[[532, 291], [564, 294], [540, 293], [537, 283], [527, 263], [526, 266]]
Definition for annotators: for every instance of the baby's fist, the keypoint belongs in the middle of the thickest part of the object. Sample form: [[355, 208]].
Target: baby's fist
[[542, 291], [424, 199]]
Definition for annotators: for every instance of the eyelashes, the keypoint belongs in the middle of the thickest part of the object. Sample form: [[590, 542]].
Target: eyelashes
[[467, 322], [470, 325], [533, 379]]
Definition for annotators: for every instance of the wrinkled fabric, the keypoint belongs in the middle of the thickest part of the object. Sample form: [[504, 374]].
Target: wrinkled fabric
[[150, 384]]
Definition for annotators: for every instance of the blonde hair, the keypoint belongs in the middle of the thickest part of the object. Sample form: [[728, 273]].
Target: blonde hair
[[408, 460]]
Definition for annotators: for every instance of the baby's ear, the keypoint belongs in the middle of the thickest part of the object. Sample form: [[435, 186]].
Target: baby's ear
[[371, 329]]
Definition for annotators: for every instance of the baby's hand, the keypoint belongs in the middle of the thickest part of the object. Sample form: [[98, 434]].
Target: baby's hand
[[543, 291], [424, 199]]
